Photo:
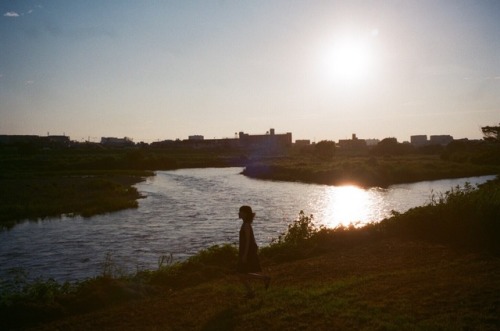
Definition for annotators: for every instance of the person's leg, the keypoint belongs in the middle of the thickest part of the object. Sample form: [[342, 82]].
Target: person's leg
[[262, 277], [244, 278]]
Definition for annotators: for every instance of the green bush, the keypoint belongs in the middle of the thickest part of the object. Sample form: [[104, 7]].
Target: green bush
[[298, 231]]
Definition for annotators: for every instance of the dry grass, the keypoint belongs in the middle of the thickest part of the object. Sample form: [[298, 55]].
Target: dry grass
[[387, 285]]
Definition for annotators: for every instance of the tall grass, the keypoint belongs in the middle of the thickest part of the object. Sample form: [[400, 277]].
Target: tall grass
[[464, 217]]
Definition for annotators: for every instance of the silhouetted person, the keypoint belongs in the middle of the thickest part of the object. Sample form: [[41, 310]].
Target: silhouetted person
[[248, 260]]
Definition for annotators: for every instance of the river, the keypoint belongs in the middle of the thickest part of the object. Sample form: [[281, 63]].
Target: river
[[187, 210]]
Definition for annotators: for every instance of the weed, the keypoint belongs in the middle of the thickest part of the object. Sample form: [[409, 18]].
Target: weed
[[110, 268], [165, 260]]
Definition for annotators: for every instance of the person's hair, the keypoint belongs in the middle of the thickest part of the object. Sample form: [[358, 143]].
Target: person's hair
[[247, 210]]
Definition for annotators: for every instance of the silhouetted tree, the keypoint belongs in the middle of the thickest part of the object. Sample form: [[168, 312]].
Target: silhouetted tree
[[491, 133], [390, 146], [325, 149]]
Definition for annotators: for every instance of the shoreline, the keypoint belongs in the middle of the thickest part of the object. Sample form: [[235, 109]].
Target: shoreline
[[47, 195], [366, 172], [433, 267], [26, 185]]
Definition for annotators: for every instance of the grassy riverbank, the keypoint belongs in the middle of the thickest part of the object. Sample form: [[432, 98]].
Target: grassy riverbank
[[389, 285], [49, 183], [433, 268], [366, 170], [53, 194], [90, 180]]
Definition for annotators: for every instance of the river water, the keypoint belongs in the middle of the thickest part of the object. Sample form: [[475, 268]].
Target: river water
[[187, 210]]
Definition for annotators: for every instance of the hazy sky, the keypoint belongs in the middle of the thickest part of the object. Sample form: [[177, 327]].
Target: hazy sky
[[156, 70]]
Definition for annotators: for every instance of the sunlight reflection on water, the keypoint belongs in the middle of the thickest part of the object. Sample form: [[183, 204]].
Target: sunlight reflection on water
[[347, 205], [190, 209]]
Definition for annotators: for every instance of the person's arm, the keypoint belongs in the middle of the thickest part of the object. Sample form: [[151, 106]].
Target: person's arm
[[246, 243]]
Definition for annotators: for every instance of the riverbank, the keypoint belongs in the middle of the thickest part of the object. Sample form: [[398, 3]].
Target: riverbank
[[88, 181], [365, 171], [41, 195], [50, 183], [434, 267], [388, 284]]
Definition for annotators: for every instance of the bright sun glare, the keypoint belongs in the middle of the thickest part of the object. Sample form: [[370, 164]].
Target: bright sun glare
[[349, 205], [350, 60]]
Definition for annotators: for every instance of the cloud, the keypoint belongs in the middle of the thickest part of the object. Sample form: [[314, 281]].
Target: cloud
[[11, 14], [29, 82]]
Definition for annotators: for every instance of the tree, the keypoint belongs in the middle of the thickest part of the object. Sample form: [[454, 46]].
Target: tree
[[491, 133], [325, 149], [390, 146]]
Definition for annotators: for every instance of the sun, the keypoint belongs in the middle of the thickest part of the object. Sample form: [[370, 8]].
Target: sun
[[349, 60]]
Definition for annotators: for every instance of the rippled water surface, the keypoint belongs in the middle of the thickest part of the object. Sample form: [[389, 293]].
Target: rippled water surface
[[191, 209]]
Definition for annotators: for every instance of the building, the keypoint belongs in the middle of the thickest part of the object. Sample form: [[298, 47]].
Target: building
[[37, 141], [270, 140], [418, 140], [18, 139], [116, 142], [441, 140], [372, 142], [267, 143], [302, 142], [354, 143], [421, 140]]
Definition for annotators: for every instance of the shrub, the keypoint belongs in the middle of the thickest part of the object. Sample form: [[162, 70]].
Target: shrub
[[298, 231], [465, 217]]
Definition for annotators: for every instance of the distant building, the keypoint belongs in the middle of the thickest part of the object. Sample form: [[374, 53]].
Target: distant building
[[16, 139], [302, 142], [116, 142], [441, 140], [271, 140], [419, 140], [354, 143], [268, 143], [44, 141], [62, 140], [208, 143], [372, 142]]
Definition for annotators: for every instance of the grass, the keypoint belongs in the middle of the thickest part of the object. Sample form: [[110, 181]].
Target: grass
[[462, 217], [366, 170], [50, 195], [37, 184], [382, 285], [434, 267], [410, 271]]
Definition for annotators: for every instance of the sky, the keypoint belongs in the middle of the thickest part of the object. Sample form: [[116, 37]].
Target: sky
[[322, 70]]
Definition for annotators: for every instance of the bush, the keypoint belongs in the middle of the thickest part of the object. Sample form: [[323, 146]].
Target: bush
[[298, 231], [465, 217]]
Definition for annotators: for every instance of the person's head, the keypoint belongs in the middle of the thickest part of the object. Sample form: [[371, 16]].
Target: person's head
[[246, 214]]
